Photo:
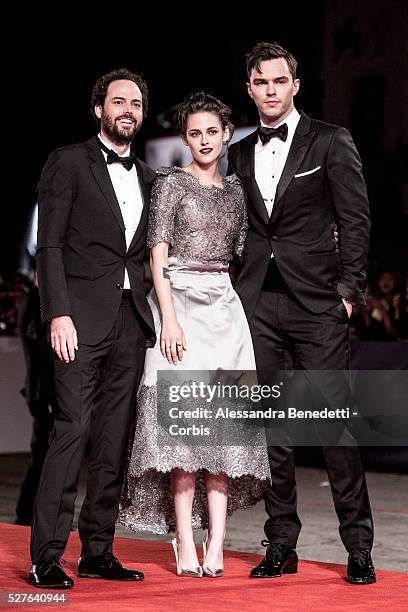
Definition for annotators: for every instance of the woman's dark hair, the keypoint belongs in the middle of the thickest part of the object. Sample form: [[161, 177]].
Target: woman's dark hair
[[202, 102], [268, 51], [101, 87]]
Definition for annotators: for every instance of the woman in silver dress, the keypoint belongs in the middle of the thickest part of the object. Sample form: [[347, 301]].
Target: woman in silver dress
[[197, 222]]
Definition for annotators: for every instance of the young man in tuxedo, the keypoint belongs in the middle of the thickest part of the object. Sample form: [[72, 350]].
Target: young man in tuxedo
[[298, 286], [93, 211]]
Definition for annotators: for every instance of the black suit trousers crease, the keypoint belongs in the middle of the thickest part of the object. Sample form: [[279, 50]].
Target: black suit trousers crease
[[96, 399], [282, 326]]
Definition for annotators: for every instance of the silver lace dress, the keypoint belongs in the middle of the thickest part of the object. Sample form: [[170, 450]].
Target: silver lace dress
[[204, 226]]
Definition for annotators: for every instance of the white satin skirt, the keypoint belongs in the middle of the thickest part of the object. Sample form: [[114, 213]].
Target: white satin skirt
[[212, 318], [218, 339]]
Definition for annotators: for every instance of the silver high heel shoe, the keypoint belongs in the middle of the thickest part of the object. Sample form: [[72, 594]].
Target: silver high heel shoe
[[197, 572], [209, 571]]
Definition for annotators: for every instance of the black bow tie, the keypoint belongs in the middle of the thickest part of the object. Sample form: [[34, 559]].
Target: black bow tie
[[265, 133], [114, 158]]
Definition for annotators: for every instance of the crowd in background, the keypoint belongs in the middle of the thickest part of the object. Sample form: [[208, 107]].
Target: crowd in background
[[385, 317], [13, 292]]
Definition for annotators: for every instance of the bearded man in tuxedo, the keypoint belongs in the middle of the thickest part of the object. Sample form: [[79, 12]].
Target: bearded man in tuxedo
[[93, 212]]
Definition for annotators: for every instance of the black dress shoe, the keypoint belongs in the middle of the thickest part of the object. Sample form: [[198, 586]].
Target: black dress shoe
[[105, 566], [279, 559], [360, 568], [50, 575]]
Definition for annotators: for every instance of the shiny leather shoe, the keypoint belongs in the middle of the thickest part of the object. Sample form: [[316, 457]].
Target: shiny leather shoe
[[105, 566], [360, 568], [50, 575], [279, 559]]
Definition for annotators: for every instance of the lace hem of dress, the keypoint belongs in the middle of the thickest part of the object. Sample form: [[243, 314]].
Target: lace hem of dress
[[147, 501]]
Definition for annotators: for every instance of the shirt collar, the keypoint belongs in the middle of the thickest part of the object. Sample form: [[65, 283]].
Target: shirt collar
[[291, 121], [109, 146]]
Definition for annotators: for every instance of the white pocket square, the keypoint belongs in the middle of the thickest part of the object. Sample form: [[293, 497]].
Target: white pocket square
[[308, 172]]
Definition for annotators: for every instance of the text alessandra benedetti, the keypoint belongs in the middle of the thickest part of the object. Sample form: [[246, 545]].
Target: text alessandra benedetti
[[290, 413]]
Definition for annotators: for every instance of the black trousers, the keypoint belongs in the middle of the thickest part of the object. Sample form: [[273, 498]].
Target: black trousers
[[96, 404], [281, 326]]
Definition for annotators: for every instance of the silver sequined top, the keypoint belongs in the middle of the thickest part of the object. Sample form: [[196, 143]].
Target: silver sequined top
[[201, 222]]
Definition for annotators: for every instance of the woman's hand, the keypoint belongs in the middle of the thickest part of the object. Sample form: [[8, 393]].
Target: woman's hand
[[172, 341]]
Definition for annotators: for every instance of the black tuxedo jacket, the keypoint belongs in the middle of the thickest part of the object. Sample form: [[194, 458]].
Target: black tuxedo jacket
[[81, 248], [321, 184]]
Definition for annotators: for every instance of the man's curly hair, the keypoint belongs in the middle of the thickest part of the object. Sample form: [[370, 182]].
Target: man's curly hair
[[101, 87]]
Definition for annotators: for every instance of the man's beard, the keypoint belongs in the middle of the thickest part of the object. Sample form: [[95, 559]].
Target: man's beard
[[116, 134]]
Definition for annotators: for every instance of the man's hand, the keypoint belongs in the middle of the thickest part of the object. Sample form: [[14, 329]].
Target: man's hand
[[348, 306], [64, 339]]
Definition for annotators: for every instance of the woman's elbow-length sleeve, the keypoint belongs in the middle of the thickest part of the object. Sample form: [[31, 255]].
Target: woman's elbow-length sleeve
[[162, 211]]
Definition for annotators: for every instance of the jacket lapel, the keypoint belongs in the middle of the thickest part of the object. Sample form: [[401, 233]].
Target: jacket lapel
[[100, 171], [145, 193], [248, 176], [300, 144]]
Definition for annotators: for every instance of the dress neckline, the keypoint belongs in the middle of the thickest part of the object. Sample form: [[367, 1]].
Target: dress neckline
[[211, 186]]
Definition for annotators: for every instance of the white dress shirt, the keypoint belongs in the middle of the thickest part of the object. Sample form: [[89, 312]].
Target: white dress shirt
[[127, 190], [270, 160]]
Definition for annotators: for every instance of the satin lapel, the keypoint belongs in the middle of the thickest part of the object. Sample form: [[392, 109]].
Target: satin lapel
[[100, 171], [300, 144], [145, 193], [248, 177]]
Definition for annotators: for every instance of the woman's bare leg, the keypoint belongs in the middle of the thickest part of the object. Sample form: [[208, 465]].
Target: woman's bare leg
[[183, 491], [217, 495]]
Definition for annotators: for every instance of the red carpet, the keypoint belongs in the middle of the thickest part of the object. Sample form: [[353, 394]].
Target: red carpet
[[317, 586]]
